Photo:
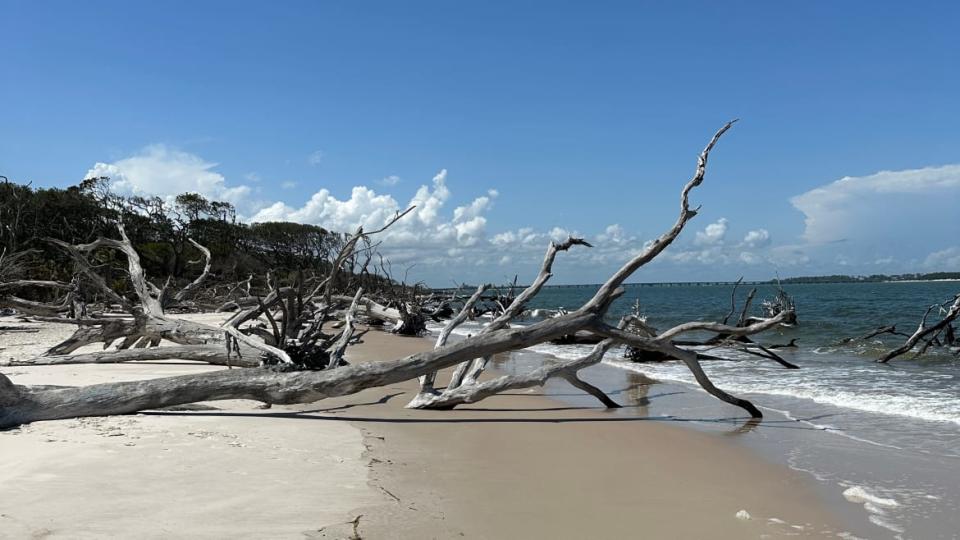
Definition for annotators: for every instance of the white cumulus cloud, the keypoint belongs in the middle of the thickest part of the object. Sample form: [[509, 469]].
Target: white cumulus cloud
[[896, 217], [854, 207], [167, 172], [713, 234], [757, 238], [427, 233]]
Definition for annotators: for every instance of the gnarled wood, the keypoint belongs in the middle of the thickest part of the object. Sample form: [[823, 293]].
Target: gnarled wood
[[191, 289]]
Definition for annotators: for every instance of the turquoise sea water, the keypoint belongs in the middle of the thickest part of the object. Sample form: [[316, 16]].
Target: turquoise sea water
[[891, 431]]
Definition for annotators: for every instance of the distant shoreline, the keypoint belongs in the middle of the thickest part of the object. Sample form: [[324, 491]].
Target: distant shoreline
[[814, 280], [919, 280]]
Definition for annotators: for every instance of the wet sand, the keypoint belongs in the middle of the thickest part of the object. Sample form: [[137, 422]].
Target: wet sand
[[522, 465]]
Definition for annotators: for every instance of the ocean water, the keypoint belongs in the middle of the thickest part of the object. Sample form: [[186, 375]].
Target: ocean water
[[882, 440]]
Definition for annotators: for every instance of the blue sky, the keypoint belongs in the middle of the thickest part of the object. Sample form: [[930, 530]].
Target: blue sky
[[547, 117]]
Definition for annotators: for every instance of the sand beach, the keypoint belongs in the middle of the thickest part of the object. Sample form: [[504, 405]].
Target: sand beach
[[519, 465]]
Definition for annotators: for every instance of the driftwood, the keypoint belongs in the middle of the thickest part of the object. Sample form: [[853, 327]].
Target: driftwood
[[200, 353], [21, 404], [147, 323], [940, 333], [579, 338], [792, 344], [470, 371], [301, 342], [737, 341], [879, 331], [427, 380], [12, 267]]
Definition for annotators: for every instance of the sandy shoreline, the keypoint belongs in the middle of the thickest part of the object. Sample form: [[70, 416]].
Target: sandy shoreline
[[514, 466]]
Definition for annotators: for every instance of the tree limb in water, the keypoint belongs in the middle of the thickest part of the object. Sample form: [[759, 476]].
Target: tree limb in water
[[927, 334]]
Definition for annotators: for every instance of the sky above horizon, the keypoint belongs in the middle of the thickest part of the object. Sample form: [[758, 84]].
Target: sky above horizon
[[511, 124]]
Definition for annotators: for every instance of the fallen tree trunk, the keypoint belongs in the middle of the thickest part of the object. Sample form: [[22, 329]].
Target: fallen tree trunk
[[373, 310], [201, 353], [21, 404]]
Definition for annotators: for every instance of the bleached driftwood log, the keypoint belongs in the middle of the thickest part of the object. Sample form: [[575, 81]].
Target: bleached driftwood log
[[373, 310], [20, 404]]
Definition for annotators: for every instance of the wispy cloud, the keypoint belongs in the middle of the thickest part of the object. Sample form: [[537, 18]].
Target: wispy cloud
[[391, 180], [944, 259], [316, 157]]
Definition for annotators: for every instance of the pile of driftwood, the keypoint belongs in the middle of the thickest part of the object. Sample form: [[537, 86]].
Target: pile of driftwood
[[291, 341]]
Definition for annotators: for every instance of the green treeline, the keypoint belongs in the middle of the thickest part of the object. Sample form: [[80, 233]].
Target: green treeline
[[159, 229]]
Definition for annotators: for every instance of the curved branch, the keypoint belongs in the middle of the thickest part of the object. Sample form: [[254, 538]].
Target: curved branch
[[336, 353], [718, 328], [194, 285], [259, 345], [149, 304], [733, 300], [602, 299], [689, 358]]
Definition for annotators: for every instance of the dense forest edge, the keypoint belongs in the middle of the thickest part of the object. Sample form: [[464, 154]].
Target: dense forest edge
[[161, 230]]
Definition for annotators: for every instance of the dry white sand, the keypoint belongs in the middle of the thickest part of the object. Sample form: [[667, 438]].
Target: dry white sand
[[231, 472]]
